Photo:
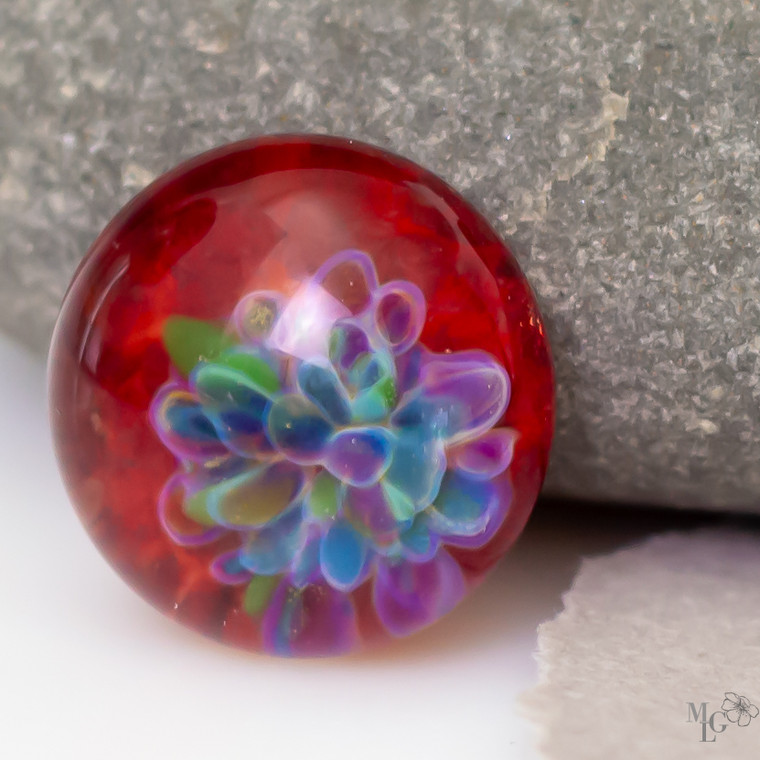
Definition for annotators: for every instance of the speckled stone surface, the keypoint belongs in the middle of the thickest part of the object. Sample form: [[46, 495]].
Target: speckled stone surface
[[616, 143]]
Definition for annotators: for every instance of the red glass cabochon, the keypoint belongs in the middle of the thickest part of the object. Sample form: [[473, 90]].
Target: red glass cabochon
[[263, 215]]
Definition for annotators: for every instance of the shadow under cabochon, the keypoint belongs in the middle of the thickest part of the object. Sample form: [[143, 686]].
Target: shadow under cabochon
[[301, 395]]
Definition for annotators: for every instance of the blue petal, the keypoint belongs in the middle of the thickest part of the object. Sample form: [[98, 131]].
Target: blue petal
[[323, 387], [298, 428], [463, 506], [183, 425], [370, 369], [419, 544], [418, 465], [236, 407], [434, 418], [305, 568], [190, 422], [271, 550], [377, 393], [342, 555]]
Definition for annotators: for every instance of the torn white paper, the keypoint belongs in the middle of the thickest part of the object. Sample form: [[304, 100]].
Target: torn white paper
[[655, 648]]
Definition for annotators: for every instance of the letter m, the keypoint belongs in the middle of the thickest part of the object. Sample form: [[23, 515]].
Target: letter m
[[697, 716]]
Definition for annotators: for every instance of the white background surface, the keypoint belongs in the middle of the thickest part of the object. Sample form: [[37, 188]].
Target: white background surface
[[89, 670]]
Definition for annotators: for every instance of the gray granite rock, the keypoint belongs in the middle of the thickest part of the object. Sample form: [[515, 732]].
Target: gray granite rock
[[616, 142]]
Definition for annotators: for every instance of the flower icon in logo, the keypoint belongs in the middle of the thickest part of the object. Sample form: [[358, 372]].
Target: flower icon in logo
[[738, 709], [324, 448]]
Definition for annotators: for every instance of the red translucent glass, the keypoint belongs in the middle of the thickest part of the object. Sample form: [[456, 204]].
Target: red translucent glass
[[263, 216]]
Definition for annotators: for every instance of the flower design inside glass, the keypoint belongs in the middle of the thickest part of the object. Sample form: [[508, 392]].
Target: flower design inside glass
[[329, 452]]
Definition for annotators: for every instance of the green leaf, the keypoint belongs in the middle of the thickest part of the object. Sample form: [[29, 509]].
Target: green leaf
[[189, 341], [401, 505], [255, 369], [257, 594], [387, 391], [324, 496]]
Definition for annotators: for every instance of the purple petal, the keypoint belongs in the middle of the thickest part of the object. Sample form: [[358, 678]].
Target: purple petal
[[347, 342], [400, 314], [312, 621], [408, 367], [370, 512], [181, 529], [486, 456], [226, 568], [409, 596], [350, 277], [460, 395], [359, 456]]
